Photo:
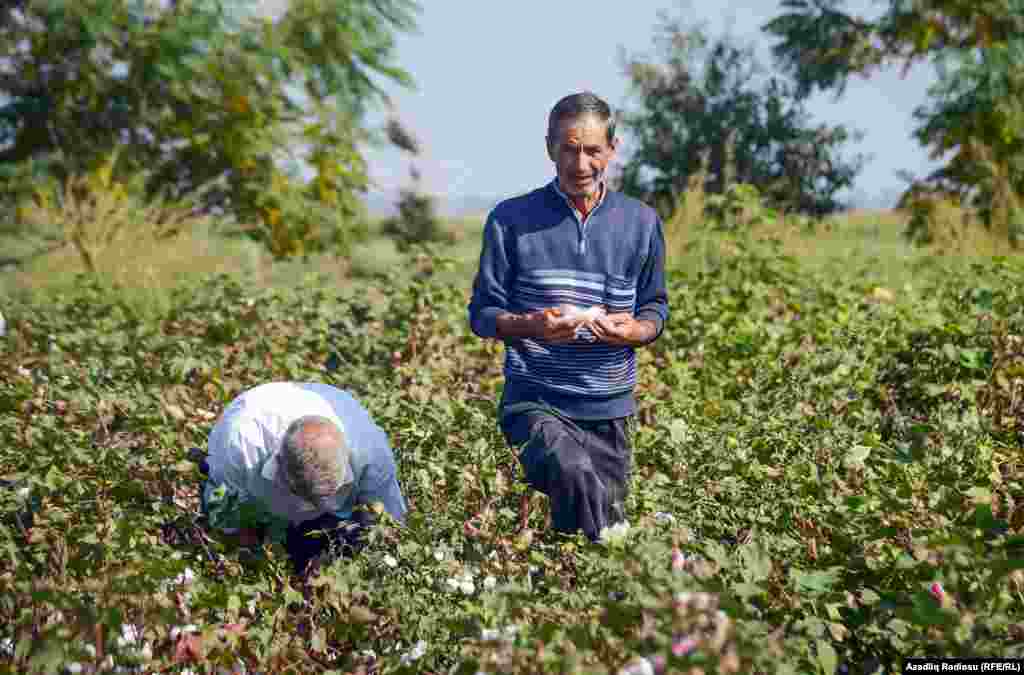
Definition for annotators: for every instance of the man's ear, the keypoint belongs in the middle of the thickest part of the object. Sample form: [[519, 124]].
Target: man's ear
[[614, 145]]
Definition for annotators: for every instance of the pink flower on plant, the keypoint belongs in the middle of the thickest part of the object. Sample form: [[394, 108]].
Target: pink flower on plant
[[678, 559], [684, 646], [937, 591]]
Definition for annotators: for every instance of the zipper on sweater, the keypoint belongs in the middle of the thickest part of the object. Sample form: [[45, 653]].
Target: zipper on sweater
[[581, 225], [583, 232]]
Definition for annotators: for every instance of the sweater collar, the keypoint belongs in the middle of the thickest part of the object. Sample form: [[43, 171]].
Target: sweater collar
[[603, 186]]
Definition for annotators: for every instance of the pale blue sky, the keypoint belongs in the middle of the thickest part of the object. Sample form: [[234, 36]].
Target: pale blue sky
[[488, 72]]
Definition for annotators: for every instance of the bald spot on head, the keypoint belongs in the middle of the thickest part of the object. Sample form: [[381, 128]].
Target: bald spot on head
[[318, 434], [312, 451]]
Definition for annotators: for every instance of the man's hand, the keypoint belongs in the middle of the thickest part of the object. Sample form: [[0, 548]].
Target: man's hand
[[249, 537], [623, 330], [554, 326], [549, 325]]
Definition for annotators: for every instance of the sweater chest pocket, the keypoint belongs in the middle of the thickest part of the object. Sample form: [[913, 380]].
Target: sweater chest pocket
[[619, 293]]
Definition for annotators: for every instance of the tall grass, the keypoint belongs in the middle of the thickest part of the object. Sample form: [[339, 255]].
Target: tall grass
[[684, 227], [144, 274], [876, 236]]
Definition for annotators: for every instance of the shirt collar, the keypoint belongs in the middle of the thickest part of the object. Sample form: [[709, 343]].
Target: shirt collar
[[602, 185]]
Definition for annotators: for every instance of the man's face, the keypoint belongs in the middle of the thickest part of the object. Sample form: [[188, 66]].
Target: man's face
[[581, 153]]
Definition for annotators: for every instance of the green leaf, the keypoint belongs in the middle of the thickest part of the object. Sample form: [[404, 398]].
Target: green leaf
[[979, 494], [757, 565], [828, 661], [857, 455], [815, 582]]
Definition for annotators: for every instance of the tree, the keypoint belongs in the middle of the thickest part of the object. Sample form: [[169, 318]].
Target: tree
[[975, 112], [199, 94], [700, 96], [417, 222]]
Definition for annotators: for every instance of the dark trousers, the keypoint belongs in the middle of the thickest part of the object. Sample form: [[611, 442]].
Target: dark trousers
[[583, 466], [327, 535]]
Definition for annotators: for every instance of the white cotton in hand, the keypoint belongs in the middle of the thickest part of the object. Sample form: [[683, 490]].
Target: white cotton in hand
[[580, 314]]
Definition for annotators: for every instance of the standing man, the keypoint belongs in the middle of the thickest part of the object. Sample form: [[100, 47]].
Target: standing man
[[296, 460], [573, 245]]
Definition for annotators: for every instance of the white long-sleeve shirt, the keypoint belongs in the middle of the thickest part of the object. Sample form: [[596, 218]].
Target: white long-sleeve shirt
[[250, 432]]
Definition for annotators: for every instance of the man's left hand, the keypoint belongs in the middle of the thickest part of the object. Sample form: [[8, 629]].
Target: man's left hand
[[623, 330]]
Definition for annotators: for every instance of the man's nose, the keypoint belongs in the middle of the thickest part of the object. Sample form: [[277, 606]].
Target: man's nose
[[580, 161]]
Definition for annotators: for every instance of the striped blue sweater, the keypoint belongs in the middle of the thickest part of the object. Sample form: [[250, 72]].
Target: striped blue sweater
[[537, 253]]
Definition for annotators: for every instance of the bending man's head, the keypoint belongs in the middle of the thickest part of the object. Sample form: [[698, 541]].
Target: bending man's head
[[314, 459]]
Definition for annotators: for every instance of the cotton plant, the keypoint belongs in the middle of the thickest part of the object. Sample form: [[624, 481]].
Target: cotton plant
[[226, 511], [501, 634], [461, 583], [615, 535], [416, 653]]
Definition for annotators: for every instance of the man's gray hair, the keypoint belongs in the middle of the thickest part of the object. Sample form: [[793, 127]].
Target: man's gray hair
[[579, 105], [314, 455]]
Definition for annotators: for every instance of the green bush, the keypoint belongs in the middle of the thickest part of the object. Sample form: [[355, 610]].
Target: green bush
[[417, 222]]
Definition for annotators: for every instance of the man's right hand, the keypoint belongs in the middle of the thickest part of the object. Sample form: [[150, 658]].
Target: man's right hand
[[249, 537], [548, 325]]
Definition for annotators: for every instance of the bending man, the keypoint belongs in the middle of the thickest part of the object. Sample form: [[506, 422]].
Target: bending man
[[298, 461]]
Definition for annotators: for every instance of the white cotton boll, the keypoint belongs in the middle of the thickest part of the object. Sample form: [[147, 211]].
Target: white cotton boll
[[663, 517], [438, 555], [91, 651], [490, 582], [178, 630], [579, 317], [467, 587], [616, 533], [130, 635], [186, 577], [580, 314], [391, 561], [641, 666], [74, 667], [568, 311], [505, 633], [414, 654]]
